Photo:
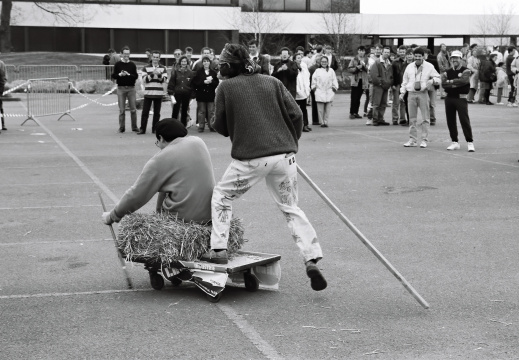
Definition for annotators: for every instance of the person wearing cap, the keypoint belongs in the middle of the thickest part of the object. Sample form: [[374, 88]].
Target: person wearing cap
[[456, 82], [181, 173]]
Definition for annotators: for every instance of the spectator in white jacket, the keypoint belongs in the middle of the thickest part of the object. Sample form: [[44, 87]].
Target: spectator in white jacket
[[302, 89], [324, 84]]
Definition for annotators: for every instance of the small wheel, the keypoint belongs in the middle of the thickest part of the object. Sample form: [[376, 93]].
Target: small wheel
[[214, 299], [251, 282], [156, 281], [175, 281]]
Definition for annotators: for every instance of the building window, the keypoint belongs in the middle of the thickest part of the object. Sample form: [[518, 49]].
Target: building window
[[168, 2], [320, 5], [195, 2], [249, 5], [273, 5], [295, 5], [219, 2]]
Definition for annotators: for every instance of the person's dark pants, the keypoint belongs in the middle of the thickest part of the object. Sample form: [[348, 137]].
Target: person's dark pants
[[356, 94], [146, 106], [486, 95], [315, 115], [406, 96], [302, 106], [182, 101], [379, 103], [2, 108], [453, 106], [511, 96], [366, 103]]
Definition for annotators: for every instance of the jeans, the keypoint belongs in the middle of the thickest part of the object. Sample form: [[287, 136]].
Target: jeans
[[453, 105], [146, 106], [204, 110], [302, 106], [418, 100], [511, 95], [379, 101], [323, 109], [182, 100], [398, 108], [123, 93], [280, 174]]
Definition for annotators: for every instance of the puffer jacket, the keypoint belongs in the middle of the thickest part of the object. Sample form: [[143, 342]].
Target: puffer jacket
[[324, 81]]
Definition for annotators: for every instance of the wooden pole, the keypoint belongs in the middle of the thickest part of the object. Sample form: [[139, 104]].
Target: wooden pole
[[364, 240], [121, 260]]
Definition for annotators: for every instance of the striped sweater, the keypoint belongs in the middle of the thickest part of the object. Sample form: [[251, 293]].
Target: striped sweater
[[152, 82]]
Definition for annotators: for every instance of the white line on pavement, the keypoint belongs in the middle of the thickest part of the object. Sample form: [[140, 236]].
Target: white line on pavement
[[53, 242], [48, 207], [27, 296]]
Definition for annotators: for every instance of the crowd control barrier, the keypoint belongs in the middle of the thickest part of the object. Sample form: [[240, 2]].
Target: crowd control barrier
[[47, 97]]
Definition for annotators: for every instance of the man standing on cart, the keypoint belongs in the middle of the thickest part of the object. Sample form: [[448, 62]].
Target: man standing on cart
[[181, 173], [264, 142]]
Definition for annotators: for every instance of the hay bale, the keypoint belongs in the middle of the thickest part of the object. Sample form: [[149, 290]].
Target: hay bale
[[162, 238]]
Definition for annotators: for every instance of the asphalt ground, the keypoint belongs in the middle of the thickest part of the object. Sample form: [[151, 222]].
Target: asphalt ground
[[448, 221]]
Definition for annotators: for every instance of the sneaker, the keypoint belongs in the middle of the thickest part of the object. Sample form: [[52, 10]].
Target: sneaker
[[454, 146], [369, 122], [509, 104], [357, 116], [470, 147], [411, 143], [317, 280], [514, 104], [214, 257], [423, 144], [499, 103]]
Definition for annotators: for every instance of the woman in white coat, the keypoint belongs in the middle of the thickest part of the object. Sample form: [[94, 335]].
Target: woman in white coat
[[324, 84], [302, 89]]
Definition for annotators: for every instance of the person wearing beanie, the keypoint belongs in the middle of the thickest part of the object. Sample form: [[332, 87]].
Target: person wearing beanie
[[181, 173], [264, 143]]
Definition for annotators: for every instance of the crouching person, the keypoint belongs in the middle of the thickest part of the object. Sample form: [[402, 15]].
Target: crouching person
[[264, 143], [181, 173]]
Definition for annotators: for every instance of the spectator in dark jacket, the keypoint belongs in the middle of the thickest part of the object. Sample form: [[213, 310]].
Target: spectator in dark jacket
[[205, 83], [512, 54], [259, 59], [286, 71], [487, 75], [381, 74], [398, 66], [180, 86]]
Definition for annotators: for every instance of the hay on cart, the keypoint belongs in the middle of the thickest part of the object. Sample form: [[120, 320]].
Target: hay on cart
[[163, 238]]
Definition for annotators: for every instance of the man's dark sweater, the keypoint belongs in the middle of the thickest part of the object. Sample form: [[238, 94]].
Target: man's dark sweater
[[289, 76], [260, 116], [456, 82], [127, 80]]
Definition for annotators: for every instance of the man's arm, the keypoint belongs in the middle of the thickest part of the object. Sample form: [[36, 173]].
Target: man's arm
[[219, 122], [405, 80], [133, 71], [172, 82], [115, 74], [459, 82]]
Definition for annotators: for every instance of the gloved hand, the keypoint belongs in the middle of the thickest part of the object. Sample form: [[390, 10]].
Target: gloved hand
[[107, 219]]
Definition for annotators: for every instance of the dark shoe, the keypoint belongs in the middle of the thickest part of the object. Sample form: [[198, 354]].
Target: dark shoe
[[324, 125], [317, 280], [433, 123], [214, 257], [121, 130], [309, 128], [142, 132], [4, 128], [365, 114], [136, 130], [403, 122], [306, 129], [489, 103], [395, 122], [352, 116], [380, 123], [316, 123], [357, 116]]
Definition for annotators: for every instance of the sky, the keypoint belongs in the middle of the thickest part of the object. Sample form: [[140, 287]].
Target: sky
[[435, 7]]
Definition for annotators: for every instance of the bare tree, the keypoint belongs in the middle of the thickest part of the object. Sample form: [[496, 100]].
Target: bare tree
[[68, 13], [258, 23], [497, 23], [340, 25]]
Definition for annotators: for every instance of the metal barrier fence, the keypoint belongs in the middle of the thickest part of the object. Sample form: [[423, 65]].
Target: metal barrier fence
[[46, 97], [26, 72]]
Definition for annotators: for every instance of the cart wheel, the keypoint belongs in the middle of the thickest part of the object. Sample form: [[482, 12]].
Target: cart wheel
[[175, 281], [156, 281], [251, 282], [214, 299]]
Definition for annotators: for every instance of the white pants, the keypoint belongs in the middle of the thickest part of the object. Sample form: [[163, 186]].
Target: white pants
[[323, 110], [280, 174]]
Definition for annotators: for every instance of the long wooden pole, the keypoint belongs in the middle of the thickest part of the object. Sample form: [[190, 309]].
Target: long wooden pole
[[364, 240], [121, 260]]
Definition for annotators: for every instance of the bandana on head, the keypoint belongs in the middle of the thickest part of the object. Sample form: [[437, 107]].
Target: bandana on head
[[227, 57]]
